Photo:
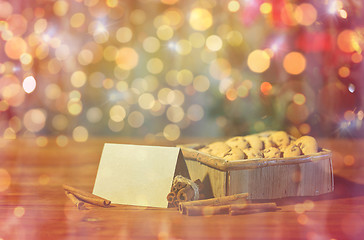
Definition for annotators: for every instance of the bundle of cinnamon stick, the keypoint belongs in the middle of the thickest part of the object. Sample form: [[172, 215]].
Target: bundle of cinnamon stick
[[232, 205], [80, 197], [183, 190]]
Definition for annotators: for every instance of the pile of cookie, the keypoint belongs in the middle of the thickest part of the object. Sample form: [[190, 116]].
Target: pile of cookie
[[277, 144]]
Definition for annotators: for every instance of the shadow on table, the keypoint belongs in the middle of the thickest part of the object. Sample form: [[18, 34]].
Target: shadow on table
[[344, 188]]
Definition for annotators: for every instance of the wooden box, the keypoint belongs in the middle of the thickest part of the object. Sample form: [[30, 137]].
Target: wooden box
[[306, 175]]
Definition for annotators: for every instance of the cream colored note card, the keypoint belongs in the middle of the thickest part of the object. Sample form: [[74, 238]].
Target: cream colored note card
[[136, 174]]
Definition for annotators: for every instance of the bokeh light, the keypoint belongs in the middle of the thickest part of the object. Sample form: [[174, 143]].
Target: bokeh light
[[74, 69], [294, 63], [200, 19], [5, 180], [258, 61]]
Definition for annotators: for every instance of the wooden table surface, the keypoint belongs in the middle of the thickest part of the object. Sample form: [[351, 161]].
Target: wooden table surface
[[33, 204]]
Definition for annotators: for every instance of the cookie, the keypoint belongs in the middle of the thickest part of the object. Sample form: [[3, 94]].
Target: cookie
[[253, 153], [205, 149], [267, 143], [272, 152], [238, 142], [307, 144], [292, 151], [219, 149], [254, 142], [280, 139], [235, 154]]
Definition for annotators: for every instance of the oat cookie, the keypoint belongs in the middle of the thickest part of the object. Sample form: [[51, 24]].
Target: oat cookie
[[254, 142], [219, 149], [253, 153], [280, 139], [239, 142], [292, 151], [307, 144], [235, 154], [267, 143], [272, 152]]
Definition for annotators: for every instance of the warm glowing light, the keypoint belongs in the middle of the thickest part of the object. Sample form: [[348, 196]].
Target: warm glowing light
[[40, 26], [151, 44], [74, 107], [214, 43], [26, 58], [80, 134], [137, 17], [41, 141], [305, 128], [266, 88], [169, 2], [220, 68], [117, 113], [200, 19], [15, 47], [171, 132], [34, 120], [19, 212], [265, 8], [305, 14], [127, 58], [124, 34], [17, 24], [302, 219], [231, 94], [294, 63], [62, 140], [344, 72], [349, 160], [155, 66], [195, 112], [234, 38], [174, 17], [77, 20], [78, 79], [299, 99], [136, 119], [60, 122], [165, 32], [146, 101], [356, 57], [5, 180], [349, 115], [201, 83], [6, 9], [29, 84], [348, 41], [183, 47], [258, 61], [233, 6], [60, 8], [175, 114]]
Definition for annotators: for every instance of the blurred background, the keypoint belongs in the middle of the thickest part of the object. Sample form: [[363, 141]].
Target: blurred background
[[172, 69]]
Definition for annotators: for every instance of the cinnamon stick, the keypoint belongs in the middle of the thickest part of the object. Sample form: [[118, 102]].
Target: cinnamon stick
[[238, 209], [207, 210], [79, 204], [186, 194], [87, 197], [171, 196], [232, 209], [237, 198]]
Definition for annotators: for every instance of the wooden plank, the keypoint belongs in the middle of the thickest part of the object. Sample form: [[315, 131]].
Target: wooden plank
[[305, 179]]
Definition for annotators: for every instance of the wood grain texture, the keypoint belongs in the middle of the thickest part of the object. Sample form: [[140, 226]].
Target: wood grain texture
[[33, 204]]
